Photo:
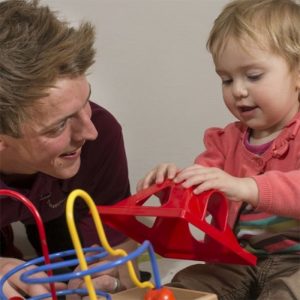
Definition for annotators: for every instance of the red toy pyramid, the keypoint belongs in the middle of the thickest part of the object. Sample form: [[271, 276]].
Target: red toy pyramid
[[170, 233]]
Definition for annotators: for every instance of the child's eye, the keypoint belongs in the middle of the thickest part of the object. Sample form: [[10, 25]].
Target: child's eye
[[226, 81], [254, 77]]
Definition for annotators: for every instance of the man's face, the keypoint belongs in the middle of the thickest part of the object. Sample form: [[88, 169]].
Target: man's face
[[52, 138]]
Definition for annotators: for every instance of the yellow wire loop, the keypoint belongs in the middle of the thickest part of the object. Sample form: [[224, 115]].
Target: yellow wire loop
[[102, 237]]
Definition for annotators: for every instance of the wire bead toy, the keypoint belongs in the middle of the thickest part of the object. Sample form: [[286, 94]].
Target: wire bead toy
[[49, 263]]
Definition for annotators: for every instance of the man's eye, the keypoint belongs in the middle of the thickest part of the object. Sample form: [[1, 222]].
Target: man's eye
[[57, 130]]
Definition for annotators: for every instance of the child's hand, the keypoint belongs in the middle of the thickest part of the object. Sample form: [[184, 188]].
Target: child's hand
[[158, 175], [205, 178]]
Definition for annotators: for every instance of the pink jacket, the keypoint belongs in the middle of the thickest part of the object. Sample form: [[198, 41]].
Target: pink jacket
[[276, 172]]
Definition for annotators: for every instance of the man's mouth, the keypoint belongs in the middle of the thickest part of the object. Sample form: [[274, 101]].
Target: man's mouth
[[71, 153], [68, 154]]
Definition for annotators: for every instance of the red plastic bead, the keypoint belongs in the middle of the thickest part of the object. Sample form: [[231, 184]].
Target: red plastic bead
[[159, 294]]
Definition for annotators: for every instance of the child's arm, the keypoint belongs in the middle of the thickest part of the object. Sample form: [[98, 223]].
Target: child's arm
[[206, 178], [274, 192]]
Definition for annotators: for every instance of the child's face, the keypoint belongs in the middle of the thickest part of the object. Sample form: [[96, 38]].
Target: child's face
[[52, 140], [258, 87]]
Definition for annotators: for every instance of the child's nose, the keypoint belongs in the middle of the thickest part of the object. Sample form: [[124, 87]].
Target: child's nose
[[239, 90]]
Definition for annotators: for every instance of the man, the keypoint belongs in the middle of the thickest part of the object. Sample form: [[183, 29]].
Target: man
[[53, 139]]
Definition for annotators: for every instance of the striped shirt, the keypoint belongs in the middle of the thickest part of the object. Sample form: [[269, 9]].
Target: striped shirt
[[263, 233]]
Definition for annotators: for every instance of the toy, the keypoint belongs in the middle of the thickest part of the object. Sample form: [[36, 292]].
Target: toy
[[160, 294], [179, 294], [41, 231], [170, 233], [44, 263]]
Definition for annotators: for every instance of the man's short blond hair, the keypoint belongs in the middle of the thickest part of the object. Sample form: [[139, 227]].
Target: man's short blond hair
[[36, 49]]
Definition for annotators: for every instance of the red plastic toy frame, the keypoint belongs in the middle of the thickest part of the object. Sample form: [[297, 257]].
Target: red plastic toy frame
[[170, 233], [19, 197]]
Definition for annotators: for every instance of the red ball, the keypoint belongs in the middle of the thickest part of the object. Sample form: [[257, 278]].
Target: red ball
[[159, 294]]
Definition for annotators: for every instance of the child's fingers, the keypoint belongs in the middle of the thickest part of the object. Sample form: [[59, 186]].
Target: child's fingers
[[157, 175], [172, 171], [190, 172]]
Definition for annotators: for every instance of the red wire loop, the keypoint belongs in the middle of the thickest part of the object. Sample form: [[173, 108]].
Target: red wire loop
[[41, 230]]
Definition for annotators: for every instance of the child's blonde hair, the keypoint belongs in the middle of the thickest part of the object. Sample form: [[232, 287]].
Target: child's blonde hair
[[272, 24]]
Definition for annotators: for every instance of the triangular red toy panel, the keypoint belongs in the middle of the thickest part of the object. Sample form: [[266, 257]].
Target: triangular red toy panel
[[170, 233]]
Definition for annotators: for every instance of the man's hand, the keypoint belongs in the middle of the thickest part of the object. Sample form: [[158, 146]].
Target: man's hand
[[14, 287], [111, 280]]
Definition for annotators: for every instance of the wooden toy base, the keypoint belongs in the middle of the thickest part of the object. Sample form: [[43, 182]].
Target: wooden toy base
[[180, 294]]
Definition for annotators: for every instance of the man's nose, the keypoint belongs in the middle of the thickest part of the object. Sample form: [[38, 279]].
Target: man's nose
[[83, 128]]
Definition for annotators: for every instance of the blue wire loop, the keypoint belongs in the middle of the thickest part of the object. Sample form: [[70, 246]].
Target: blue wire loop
[[98, 253]]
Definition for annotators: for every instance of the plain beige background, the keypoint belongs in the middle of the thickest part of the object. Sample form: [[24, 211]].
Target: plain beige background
[[154, 74]]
